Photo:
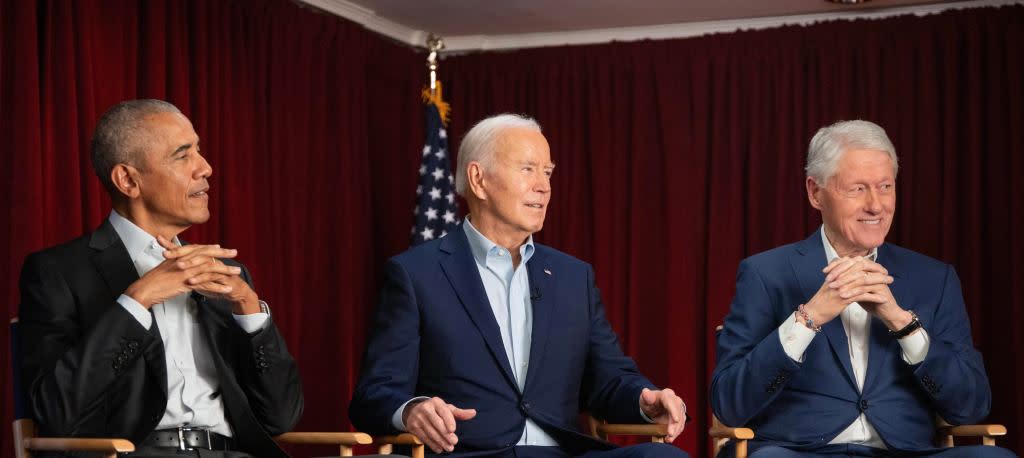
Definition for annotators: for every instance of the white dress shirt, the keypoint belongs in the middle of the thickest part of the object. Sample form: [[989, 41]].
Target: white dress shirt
[[193, 398], [857, 322]]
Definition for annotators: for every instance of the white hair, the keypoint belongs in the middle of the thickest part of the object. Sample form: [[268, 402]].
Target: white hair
[[479, 144], [829, 144]]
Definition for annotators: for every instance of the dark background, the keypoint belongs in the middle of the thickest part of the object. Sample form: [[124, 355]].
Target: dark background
[[676, 159]]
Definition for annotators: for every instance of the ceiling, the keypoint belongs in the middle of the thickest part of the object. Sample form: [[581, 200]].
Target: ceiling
[[490, 17], [474, 25]]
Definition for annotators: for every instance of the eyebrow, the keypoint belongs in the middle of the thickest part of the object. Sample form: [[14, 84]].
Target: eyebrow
[[181, 148]]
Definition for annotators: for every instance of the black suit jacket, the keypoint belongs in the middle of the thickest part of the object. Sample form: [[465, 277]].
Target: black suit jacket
[[90, 369]]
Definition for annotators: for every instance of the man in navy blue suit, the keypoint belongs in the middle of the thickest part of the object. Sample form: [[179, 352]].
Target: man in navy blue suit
[[485, 343], [843, 344]]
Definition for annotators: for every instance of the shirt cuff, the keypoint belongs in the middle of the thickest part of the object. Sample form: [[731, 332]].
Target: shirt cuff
[[140, 313], [915, 347], [396, 418], [795, 338], [253, 322], [648, 419]]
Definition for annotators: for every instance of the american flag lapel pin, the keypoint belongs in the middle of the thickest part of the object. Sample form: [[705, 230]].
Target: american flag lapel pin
[[547, 271]]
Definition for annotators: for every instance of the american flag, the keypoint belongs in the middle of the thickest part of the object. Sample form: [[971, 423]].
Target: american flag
[[437, 211]]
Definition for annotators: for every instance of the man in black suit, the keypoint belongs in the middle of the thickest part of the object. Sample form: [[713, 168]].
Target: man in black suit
[[128, 333]]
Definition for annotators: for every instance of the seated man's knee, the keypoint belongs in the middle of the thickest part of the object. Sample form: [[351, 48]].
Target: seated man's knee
[[773, 451], [656, 450]]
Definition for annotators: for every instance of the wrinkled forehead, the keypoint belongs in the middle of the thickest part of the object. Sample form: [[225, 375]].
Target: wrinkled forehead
[[865, 164], [521, 144]]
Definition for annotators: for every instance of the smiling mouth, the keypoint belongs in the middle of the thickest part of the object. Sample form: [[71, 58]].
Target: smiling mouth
[[535, 206], [872, 222], [198, 195]]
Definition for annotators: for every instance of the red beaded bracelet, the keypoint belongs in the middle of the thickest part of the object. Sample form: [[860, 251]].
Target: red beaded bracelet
[[802, 312]]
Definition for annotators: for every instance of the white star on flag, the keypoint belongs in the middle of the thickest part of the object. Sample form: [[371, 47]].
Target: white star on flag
[[437, 208]]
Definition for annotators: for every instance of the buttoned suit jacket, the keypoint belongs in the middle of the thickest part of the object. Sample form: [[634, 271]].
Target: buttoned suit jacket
[[805, 405], [92, 370], [435, 335]]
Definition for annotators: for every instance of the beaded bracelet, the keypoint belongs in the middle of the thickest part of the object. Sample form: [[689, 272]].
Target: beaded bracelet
[[802, 313]]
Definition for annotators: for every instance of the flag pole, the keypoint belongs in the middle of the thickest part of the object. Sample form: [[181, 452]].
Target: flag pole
[[434, 44], [432, 95]]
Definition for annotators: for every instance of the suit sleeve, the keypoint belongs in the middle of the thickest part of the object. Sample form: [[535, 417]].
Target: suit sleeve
[[270, 377], [391, 362], [953, 373], [752, 364], [66, 371], [611, 381]]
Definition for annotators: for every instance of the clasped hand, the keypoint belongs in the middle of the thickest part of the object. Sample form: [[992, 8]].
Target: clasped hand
[[856, 279], [194, 268]]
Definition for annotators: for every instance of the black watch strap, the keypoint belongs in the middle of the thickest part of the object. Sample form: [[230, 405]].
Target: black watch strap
[[914, 325]]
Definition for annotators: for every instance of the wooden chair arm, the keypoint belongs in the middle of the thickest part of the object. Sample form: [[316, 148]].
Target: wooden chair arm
[[649, 429], [386, 444], [973, 430], [78, 444], [720, 431], [331, 438], [344, 441]]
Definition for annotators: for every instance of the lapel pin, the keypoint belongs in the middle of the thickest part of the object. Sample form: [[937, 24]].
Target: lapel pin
[[547, 271]]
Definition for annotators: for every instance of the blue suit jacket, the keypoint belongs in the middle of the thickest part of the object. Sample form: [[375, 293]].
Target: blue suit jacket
[[435, 335], [805, 405]]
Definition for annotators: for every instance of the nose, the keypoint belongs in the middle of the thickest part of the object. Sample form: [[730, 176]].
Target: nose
[[872, 203], [543, 183], [205, 169]]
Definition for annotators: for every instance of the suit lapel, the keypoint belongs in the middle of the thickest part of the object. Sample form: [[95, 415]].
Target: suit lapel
[[541, 280], [112, 259], [881, 343], [115, 265], [808, 265], [460, 269]]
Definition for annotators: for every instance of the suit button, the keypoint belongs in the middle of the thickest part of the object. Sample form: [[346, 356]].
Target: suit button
[[525, 407], [863, 404]]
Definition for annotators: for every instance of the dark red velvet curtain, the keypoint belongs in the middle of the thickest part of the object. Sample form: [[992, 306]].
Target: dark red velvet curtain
[[311, 123], [675, 160], [678, 158]]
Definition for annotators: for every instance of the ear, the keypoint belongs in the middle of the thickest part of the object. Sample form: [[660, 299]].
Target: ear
[[126, 180], [475, 179], [814, 192]]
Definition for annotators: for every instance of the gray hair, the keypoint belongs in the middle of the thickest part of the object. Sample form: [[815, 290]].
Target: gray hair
[[829, 144], [118, 136], [479, 144]]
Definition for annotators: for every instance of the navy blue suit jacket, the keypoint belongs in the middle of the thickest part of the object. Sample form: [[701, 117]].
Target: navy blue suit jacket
[[435, 335], [805, 405]]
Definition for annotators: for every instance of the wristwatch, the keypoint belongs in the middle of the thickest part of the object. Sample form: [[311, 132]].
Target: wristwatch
[[264, 308], [914, 325]]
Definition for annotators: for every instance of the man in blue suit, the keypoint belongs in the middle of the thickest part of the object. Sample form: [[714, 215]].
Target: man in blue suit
[[485, 343], [843, 344]]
